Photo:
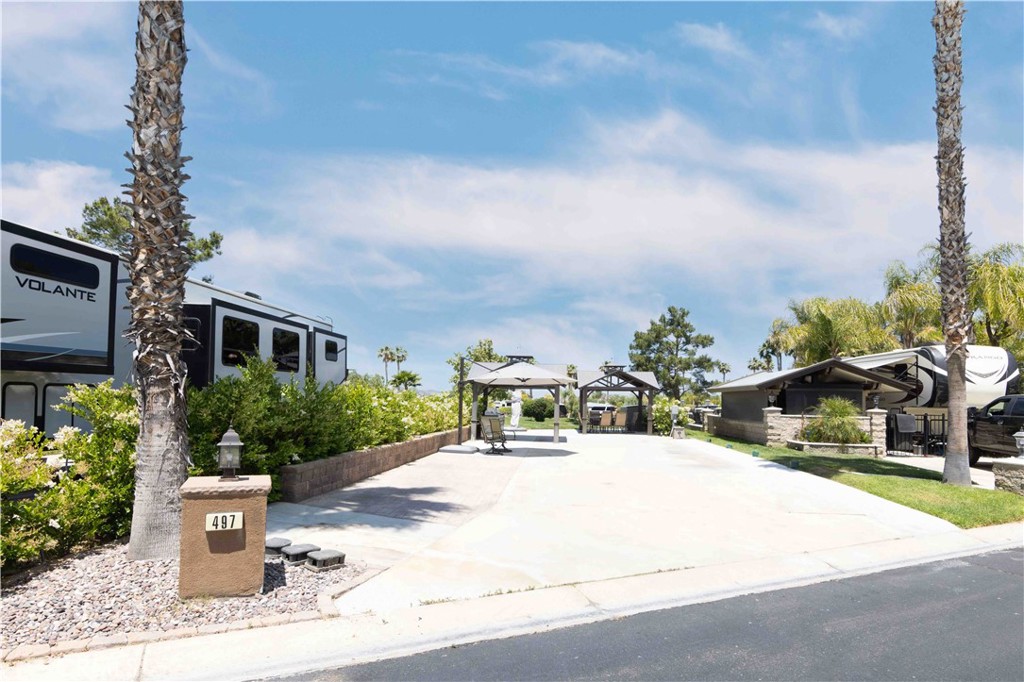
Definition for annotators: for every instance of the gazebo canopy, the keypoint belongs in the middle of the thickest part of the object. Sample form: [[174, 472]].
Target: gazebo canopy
[[617, 378], [518, 375]]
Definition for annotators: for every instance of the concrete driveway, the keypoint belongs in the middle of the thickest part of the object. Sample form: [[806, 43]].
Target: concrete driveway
[[601, 507]]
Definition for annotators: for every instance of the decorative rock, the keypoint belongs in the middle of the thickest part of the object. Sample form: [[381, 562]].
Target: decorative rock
[[325, 559], [296, 554], [273, 546]]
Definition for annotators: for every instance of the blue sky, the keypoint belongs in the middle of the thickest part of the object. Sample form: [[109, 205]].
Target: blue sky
[[551, 176]]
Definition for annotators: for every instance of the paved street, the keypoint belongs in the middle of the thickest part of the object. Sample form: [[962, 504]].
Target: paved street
[[953, 620]]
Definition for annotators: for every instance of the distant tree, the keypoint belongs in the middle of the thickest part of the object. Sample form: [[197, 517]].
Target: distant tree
[[911, 305], [481, 351], [405, 380], [401, 355], [724, 368], [107, 223], [670, 348], [387, 354]]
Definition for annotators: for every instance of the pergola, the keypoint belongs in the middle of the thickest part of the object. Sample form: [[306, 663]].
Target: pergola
[[483, 376], [616, 378]]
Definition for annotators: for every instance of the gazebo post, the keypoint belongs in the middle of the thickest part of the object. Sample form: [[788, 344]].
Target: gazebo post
[[462, 383], [584, 413], [558, 409], [650, 413], [474, 420]]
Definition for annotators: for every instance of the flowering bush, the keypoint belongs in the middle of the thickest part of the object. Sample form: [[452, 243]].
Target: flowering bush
[[23, 474]]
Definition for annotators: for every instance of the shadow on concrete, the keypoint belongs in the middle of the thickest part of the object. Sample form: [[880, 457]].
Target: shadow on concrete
[[531, 452], [527, 438], [413, 504]]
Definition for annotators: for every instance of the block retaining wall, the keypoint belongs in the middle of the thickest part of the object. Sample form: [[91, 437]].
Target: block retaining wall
[[309, 479], [777, 429]]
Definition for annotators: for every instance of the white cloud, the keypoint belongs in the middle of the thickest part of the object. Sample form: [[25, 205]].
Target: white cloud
[[71, 62], [237, 84], [844, 28], [650, 199], [49, 195], [718, 40]]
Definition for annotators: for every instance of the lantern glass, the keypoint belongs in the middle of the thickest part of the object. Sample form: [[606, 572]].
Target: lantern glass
[[1019, 439], [229, 455]]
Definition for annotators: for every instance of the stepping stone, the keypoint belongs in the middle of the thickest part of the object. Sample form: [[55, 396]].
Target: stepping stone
[[324, 559], [296, 554], [466, 449], [273, 546]]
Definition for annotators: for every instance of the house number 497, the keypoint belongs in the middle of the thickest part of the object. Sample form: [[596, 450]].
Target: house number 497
[[224, 521]]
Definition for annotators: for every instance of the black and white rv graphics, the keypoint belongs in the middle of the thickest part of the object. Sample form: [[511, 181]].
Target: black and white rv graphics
[[65, 310], [991, 372]]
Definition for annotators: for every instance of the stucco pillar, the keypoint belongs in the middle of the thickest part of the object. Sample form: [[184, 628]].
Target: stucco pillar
[[876, 429], [772, 433]]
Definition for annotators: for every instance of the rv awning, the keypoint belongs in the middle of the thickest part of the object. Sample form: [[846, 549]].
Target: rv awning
[[882, 359]]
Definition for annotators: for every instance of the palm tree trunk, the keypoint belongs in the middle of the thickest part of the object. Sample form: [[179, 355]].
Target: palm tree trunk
[[158, 266], [956, 323]]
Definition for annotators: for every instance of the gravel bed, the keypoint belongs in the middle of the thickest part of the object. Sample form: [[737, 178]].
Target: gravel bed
[[101, 592]]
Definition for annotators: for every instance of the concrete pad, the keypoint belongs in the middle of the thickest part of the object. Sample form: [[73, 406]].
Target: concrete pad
[[463, 449], [1004, 535], [903, 551]]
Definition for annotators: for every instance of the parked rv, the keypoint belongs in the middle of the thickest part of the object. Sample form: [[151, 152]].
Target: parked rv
[[65, 309], [991, 372]]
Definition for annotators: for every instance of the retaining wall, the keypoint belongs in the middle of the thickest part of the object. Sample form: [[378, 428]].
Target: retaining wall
[[302, 481], [779, 429]]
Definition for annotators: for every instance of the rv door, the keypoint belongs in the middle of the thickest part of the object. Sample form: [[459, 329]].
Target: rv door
[[330, 356]]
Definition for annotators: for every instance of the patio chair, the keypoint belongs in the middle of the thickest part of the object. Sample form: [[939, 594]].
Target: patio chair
[[620, 421], [606, 421], [493, 435]]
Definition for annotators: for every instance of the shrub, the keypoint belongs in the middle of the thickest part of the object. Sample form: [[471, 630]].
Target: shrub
[[23, 474], [836, 423], [663, 414], [539, 409]]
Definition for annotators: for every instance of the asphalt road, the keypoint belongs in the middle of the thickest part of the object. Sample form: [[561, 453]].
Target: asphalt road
[[952, 620]]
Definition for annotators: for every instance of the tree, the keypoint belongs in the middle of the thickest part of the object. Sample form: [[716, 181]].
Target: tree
[[911, 307], [387, 354], [107, 223], [669, 348], [724, 368], [158, 263], [481, 351], [401, 355], [949, 164], [996, 294], [405, 380], [824, 328]]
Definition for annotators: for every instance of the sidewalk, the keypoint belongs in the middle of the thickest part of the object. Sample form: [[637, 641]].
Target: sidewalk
[[479, 546]]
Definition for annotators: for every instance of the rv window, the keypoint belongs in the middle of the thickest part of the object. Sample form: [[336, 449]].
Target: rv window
[[331, 351], [38, 263], [286, 350], [239, 338]]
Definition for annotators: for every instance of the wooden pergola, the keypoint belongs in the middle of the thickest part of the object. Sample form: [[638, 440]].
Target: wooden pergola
[[616, 378]]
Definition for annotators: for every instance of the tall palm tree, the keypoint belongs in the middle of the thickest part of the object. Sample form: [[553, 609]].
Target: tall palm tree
[[401, 355], [956, 320], [387, 354], [825, 328], [158, 265]]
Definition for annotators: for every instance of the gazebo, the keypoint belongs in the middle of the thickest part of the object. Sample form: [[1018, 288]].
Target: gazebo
[[616, 378], [516, 374]]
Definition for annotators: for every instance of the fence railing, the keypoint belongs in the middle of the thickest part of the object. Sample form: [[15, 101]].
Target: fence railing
[[928, 436]]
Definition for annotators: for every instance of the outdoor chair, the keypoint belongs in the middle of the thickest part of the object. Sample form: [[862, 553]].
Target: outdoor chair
[[606, 421], [494, 435], [620, 421]]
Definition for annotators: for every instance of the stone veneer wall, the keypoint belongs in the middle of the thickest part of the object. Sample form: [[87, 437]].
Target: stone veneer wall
[[1009, 475], [752, 432], [777, 429], [302, 481]]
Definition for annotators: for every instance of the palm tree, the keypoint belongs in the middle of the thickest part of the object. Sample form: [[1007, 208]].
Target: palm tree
[[401, 355], [406, 380], [912, 305], [825, 328], [387, 354], [158, 264], [956, 319], [724, 368]]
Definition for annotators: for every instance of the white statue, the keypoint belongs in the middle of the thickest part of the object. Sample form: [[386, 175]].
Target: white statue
[[517, 407]]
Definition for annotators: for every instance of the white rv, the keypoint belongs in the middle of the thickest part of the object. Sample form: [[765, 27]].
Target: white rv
[[65, 309], [991, 372]]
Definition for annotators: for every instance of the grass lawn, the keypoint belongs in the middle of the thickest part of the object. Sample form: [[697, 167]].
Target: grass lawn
[[563, 423], [910, 486]]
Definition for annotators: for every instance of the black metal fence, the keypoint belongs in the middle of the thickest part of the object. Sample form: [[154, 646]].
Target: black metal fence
[[923, 434]]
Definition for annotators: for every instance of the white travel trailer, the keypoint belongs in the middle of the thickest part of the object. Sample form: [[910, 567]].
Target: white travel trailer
[[991, 372], [65, 309]]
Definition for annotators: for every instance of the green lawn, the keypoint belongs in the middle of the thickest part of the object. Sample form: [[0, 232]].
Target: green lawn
[[563, 423], [910, 486]]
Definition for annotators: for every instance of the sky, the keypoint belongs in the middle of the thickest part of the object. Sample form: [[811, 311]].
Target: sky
[[549, 176]]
